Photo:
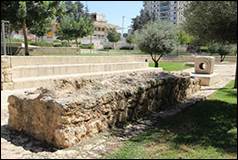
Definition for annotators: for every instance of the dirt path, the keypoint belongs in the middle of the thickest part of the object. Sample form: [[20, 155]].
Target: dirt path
[[17, 145]]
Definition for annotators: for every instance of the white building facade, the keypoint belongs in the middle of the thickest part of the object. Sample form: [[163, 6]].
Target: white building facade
[[166, 10]]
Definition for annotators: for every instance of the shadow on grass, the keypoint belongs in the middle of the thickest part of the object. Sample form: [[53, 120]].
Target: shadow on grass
[[206, 123], [24, 140]]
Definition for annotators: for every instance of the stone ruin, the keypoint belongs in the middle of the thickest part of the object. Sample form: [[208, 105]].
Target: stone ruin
[[72, 110]]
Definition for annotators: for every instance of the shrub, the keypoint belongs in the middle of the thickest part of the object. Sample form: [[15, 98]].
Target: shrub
[[213, 48], [127, 48], [87, 46], [65, 43], [221, 49], [107, 47], [41, 44]]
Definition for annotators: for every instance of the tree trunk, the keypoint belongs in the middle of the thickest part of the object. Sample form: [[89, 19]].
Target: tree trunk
[[25, 37], [222, 58], [76, 42], [156, 64], [235, 86]]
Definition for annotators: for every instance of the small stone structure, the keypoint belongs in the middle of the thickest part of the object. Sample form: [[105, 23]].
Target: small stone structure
[[70, 111], [204, 64], [204, 70]]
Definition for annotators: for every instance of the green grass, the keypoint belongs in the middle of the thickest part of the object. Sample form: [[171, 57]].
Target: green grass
[[208, 129], [171, 66]]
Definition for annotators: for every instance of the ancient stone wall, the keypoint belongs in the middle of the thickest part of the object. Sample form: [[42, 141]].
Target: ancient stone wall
[[71, 110]]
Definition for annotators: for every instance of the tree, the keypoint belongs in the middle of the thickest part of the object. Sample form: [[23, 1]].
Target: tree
[[157, 38], [184, 38], [130, 39], [212, 20], [139, 21], [113, 36], [221, 49], [75, 23], [27, 14], [40, 29]]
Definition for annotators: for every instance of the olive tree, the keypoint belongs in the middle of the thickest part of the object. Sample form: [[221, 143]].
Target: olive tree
[[221, 49], [157, 38]]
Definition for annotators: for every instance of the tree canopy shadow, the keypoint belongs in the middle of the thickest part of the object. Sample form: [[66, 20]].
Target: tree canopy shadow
[[207, 123]]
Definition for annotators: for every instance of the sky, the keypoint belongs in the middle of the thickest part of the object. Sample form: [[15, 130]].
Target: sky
[[114, 10]]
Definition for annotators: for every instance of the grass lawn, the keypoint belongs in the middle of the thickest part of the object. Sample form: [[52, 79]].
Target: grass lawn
[[171, 66], [206, 130]]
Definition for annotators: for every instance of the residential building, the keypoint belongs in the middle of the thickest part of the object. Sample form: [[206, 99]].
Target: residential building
[[166, 10], [101, 28]]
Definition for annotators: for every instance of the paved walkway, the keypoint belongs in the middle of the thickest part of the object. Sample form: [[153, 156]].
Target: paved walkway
[[17, 145]]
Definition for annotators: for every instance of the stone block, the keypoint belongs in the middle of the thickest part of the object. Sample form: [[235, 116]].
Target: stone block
[[64, 114], [206, 79], [204, 64]]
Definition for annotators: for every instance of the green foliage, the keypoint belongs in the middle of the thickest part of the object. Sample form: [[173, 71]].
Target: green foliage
[[127, 48], [41, 43], [74, 23], [221, 49], [65, 43], [113, 36], [40, 29], [213, 48], [130, 39], [31, 15], [157, 38], [139, 21], [34, 12], [184, 38], [87, 46], [212, 20]]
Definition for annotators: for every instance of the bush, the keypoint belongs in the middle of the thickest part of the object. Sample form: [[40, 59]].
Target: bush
[[204, 49], [127, 48], [65, 43], [57, 45], [107, 47], [41, 43], [87, 46], [221, 49], [213, 48]]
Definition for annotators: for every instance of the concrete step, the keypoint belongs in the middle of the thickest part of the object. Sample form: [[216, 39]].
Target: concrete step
[[49, 60], [63, 69], [44, 81]]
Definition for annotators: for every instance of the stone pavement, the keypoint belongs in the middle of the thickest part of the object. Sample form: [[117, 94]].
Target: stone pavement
[[18, 145]]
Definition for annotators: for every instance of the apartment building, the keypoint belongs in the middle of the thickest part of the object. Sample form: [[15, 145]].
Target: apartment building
[[166, 10]]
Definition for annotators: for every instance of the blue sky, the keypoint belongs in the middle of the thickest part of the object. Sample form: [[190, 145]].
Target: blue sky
[[114, 10]]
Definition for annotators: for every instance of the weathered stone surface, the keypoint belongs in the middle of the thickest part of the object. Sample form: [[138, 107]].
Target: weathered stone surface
[[72, 110], [204, 64]]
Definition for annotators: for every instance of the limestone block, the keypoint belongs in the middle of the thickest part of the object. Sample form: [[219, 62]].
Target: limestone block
[[69, 111], [204, 64]]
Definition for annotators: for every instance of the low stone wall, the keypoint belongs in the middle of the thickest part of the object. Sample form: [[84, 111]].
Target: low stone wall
[[71, 110], [6, 74]]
